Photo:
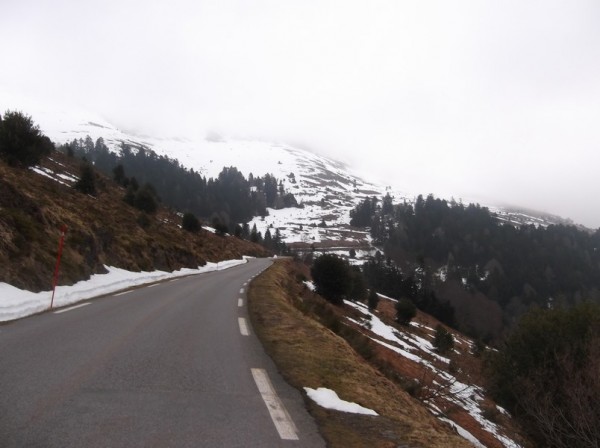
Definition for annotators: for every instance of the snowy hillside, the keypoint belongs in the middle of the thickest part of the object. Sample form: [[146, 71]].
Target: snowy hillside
[[325, 189], [460, 402], [447, 384]]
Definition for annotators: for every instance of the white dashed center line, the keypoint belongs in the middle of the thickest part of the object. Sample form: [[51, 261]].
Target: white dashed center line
[[242, 291], [240, 302], [281, 419]]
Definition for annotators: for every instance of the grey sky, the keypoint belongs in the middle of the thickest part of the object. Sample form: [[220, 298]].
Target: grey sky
[[496, 101]]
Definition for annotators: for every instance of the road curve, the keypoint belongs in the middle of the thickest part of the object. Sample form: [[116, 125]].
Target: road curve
[[161, 366]]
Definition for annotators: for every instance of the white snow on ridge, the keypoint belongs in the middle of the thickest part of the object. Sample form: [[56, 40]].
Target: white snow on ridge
[[17, 303]]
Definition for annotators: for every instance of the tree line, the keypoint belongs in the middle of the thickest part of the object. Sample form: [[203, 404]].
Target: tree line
[[544, 281], [480, 264], [226, 203], [231, 198]]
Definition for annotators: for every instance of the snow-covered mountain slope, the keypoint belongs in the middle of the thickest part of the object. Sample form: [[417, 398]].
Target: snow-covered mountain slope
[[325, 189]]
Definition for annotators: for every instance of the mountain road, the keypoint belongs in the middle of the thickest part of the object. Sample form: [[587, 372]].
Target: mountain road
[[174, 364]]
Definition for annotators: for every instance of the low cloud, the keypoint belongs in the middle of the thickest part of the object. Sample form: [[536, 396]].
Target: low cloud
[[459, 99]]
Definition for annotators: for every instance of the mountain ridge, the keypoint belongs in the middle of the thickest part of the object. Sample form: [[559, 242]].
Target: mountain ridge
[[326, 189]]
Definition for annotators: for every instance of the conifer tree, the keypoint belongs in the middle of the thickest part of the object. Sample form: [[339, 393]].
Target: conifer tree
[[87, 180], [21, 141], [119, 174], [190, 223], [373, 299], [268, 240], [219, 226], [237, 231], [145, 199], [332, 277], [443, 340], [405, 311], [254, 235]]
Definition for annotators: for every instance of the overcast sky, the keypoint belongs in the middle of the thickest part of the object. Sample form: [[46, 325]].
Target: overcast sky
[[497, 101]]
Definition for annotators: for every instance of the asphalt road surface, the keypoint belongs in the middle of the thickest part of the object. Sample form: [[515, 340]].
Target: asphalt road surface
[[175, 364]]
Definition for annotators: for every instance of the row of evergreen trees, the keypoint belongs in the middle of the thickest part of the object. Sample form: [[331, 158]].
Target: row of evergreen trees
[[512, 266], [231, 197], [386, 278]]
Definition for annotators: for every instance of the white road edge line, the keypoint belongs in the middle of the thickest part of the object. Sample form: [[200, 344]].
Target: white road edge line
[[122, 293], [64, 310], [281, 419], [240, 302], [243, 326]]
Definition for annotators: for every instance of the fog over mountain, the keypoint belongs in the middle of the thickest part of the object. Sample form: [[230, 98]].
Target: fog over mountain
[[491, 102]]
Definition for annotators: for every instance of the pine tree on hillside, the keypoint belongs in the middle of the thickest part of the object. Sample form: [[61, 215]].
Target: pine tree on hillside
[[443, 340], [21, 141], [87, 180], [220, 227], [358, 289], [237, 231], [387, 206], [405, 311], [373, 300], [268, 239], [270, 189], [254, 235], [119, 175], [190, 223], [332, 277], [88, 145], [145, 199]]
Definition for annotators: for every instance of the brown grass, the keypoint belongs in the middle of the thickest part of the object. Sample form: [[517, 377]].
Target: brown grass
[[101, 230], [469, 371], [310, 355]]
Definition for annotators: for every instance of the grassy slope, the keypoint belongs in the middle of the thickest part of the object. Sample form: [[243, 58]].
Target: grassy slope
[[101, 230], [310, 355]]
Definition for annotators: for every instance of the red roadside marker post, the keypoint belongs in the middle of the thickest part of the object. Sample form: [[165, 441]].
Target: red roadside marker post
[[63, 230]]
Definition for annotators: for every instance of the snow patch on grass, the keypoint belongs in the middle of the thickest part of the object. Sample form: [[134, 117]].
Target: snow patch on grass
[[328, 399], [420, 350]]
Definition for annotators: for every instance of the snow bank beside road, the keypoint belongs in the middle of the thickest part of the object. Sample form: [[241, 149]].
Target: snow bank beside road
[[327, 398], [16, 303]]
